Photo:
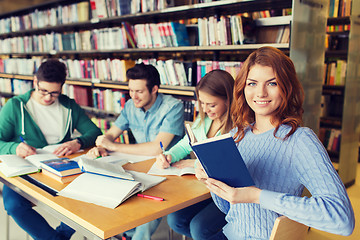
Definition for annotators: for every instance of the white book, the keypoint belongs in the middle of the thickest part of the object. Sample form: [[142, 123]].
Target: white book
[[169, 65], [131, 157], [155, 170], [180, 72], [106, 166], [108, 191], [12, 165], [240, 31]]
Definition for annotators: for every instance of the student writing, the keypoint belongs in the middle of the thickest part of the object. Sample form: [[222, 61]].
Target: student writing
[[214, 91], [152, 118], [33, 120]]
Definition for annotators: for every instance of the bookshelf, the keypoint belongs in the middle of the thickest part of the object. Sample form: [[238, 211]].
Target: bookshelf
[[14, 48], [306, 47], [342, 97]]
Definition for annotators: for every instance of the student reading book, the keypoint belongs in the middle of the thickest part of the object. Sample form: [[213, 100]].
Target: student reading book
[[232, 169], [214, 92], [281, 156]]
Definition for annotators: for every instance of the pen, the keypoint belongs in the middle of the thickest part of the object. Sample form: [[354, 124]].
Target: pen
[[22, 139], [150, 197], [162, 147]]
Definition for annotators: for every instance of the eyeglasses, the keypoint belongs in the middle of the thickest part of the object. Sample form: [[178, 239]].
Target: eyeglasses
[[45, 92]]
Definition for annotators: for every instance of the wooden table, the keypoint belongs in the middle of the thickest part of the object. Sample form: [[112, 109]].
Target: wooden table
[[97, 222]]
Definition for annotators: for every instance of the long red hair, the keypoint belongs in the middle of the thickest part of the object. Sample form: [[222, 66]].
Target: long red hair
[[290, 110]]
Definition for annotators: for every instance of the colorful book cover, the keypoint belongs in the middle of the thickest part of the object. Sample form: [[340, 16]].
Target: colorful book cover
[[61, 166]]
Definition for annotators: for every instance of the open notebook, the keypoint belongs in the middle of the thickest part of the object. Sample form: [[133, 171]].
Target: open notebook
[[12, 165], [107, 184]]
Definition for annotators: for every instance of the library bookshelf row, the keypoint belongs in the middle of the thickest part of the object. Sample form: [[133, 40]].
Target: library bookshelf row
[[97, 99], [225, 31], [172, 72], [338, 82], [305, 21]]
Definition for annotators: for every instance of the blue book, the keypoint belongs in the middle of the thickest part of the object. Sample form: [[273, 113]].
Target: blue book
[[61, 166], [221, 159], [181, 34]]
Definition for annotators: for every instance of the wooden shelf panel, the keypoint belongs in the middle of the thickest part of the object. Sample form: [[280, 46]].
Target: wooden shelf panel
[[333, 90], [99, 112], [175, 90], [338, 21], [331, 122], [245, 48]]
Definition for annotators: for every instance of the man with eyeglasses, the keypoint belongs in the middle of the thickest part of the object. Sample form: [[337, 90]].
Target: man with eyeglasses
[[33, 120]]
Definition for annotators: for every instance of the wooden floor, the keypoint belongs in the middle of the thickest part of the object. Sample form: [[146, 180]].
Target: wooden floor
[[354, 194]]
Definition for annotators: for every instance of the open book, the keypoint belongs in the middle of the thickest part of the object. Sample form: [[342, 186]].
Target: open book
[[221, 159], [131, 158], [106, 166], [108, 191], [12, 165], [155, 170]]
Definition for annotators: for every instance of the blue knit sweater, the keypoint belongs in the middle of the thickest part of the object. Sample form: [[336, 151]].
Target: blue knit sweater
[[282, 169]]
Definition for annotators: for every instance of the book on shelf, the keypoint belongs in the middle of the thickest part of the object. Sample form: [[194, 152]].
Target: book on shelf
[[108, 191], [221, 159], [65, 179], [155, 170], [83, 11], [335, 72], [189, 110], [82, 95], [181, 37], [98, 9], [61, 166], [130, 35], [330, 138]]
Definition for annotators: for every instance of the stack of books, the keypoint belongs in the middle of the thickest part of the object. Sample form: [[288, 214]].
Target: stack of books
[[63, 170]]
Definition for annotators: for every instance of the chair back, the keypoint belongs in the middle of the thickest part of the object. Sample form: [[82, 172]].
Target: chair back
[[287, 229]]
